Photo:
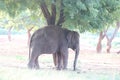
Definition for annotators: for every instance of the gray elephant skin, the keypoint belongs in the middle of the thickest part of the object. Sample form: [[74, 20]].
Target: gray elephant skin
[[53, 40]]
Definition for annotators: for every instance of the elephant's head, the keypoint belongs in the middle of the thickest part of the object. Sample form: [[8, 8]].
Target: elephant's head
[[73, 43], [73, 40]]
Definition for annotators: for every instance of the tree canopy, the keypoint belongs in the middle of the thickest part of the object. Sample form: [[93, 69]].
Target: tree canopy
[[90, 15]]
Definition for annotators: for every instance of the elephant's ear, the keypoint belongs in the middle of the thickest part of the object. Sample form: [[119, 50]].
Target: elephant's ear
[[69, 37], [73, 39]]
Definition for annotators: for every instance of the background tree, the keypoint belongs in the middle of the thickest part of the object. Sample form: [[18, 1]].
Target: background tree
[[110, 39], [79, 14]]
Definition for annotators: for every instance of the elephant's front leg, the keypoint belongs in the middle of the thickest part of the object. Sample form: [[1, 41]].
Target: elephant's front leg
[[65, 58]]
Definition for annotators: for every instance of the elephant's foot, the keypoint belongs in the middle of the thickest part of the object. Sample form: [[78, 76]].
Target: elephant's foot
[[30, 66], [36, 67], [33, 66], [75, 69], [58, 67], [61, 68], [64, 68]]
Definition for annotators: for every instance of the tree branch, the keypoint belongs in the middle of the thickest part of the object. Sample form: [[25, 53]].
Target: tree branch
[[61, 16], [115, 32], [53, 11], [45, 11], [30, 28]]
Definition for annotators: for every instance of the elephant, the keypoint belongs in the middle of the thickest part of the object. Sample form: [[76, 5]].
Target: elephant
[[53, 40]]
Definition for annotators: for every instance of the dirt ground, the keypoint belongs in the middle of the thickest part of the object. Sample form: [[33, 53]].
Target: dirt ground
[[15, 54]]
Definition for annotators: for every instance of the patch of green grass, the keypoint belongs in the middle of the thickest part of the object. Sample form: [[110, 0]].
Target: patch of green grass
[[19, 57], [13, 58]]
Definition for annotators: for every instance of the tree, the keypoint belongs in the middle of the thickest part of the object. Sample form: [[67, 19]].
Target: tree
[[78, 14], [29, 21], [10, 9], [8, 24], [99, 45], [109, 39], [26, 18]]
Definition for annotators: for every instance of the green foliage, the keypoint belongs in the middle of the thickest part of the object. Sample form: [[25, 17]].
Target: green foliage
[[91, 15], [85, 15], [2, 5], [13, 7]]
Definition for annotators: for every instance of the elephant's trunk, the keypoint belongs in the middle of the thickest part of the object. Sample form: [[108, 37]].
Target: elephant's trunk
[[76, 57]]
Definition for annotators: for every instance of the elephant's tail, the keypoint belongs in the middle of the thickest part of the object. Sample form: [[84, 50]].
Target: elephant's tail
[[30, 49], [30, 45]]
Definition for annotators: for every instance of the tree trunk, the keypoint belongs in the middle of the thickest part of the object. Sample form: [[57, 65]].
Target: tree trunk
[[29, 35], [118, 24], [51, 18], [61, 15], [109, 40], [108, 45], [99, 44], [45, 11], [9, 33], [53, 13]]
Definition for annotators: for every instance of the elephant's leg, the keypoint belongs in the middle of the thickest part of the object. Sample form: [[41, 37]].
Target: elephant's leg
[[36, 63], [31, 63], [55, 59], [65, 58], [33, 59], [59, 61]]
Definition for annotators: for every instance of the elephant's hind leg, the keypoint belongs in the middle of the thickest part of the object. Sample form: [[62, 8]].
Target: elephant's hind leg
[[55, 59], [33, 62], [36, 63], [59, 61]]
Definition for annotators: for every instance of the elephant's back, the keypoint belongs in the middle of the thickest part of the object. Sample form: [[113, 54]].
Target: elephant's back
[[48, 39]]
